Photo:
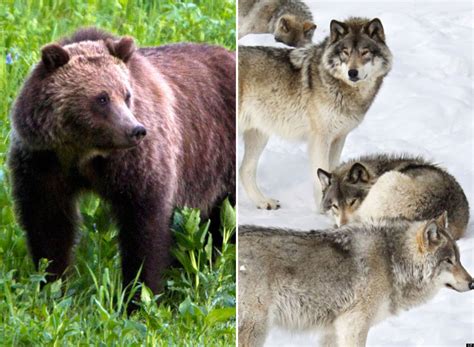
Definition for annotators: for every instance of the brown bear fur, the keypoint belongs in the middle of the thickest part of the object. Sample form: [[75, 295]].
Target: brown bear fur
[[75, 127]]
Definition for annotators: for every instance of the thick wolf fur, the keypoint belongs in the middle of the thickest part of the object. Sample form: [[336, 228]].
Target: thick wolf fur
[[309, 93], [290, 21], [379, 185], [341, 282]]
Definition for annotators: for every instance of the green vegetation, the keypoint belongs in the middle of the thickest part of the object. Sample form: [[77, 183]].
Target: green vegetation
[[198, 307]]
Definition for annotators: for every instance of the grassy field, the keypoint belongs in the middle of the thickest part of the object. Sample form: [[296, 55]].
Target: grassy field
[[198, 307]]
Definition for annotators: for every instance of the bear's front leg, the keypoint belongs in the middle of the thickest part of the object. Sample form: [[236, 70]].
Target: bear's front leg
[[45, 205], [145, 237]]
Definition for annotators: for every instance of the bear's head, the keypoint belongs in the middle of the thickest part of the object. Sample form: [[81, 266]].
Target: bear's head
[[80, 97]]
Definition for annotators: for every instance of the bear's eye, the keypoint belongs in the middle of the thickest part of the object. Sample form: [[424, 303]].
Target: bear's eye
[[127, 98], [103, 99]]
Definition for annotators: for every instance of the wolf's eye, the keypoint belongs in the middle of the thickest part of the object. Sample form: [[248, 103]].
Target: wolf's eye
[[364, 52], [334, 206], [103, 99], [352, 202], [449, 261], [345, 51]]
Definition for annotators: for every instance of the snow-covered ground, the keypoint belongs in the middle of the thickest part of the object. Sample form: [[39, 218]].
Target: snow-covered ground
[[425, 107]]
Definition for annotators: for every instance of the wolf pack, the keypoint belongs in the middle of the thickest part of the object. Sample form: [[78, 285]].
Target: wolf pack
[[397, 216]]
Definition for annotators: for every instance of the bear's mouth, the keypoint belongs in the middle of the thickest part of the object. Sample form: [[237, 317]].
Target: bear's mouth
[[119, 146], [130, 141], [131, 144]]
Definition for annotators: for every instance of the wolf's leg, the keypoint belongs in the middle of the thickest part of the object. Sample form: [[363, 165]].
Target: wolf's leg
[[352, 329], [319, 150], [252, 333], [255, 141], [335, 152]]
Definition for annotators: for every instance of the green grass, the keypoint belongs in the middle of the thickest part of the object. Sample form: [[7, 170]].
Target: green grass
[[198, 307]]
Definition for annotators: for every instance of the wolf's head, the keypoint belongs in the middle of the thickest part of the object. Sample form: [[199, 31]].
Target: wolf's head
[[293, 32], [343, 192], [356, 51], [440, 252]]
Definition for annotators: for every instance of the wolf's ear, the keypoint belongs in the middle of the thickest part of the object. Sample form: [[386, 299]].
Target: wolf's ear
[[374, 29], [431, 235], [324, 178], [358, 173], [338, 30], [54, 56], [308, 29], [284, 24], [442, 220], [122, 49]]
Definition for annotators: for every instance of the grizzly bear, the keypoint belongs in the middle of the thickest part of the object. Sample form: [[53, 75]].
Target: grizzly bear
[[146, 129]]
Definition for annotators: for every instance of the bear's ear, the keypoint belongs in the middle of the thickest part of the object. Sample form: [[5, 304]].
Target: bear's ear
[[54, 56], [122, 49]]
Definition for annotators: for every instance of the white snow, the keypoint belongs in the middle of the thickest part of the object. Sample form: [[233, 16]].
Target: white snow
[[425, 107]]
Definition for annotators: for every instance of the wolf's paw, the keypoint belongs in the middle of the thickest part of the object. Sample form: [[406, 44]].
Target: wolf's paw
[[269, 204]]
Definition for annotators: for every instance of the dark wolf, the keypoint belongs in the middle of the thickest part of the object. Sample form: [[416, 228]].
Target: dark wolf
[[379, 185]]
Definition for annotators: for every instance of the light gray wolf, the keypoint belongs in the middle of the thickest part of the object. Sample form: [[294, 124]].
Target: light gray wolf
[[290, 21], [318, 93], [380, 185], [344, 281]]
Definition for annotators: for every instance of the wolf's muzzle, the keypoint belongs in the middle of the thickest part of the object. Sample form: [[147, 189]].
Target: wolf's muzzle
[[353, 74]]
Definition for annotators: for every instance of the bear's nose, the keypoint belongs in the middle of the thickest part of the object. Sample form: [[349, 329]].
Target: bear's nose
[[138, 132], [353, 73]]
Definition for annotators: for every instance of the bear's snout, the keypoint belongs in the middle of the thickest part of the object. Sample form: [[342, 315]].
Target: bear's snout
[[138, 133]]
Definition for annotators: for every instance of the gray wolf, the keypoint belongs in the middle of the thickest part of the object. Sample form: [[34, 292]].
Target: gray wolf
[[379, 185], [318, 94], [290, 21], [342, 282], [146, 129]]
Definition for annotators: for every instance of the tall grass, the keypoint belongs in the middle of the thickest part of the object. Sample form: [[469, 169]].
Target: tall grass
[[88, 308]]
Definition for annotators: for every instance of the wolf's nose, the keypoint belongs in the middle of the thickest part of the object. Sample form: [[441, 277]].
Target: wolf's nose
[[471, 285], [353, 73], [138, 132]]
